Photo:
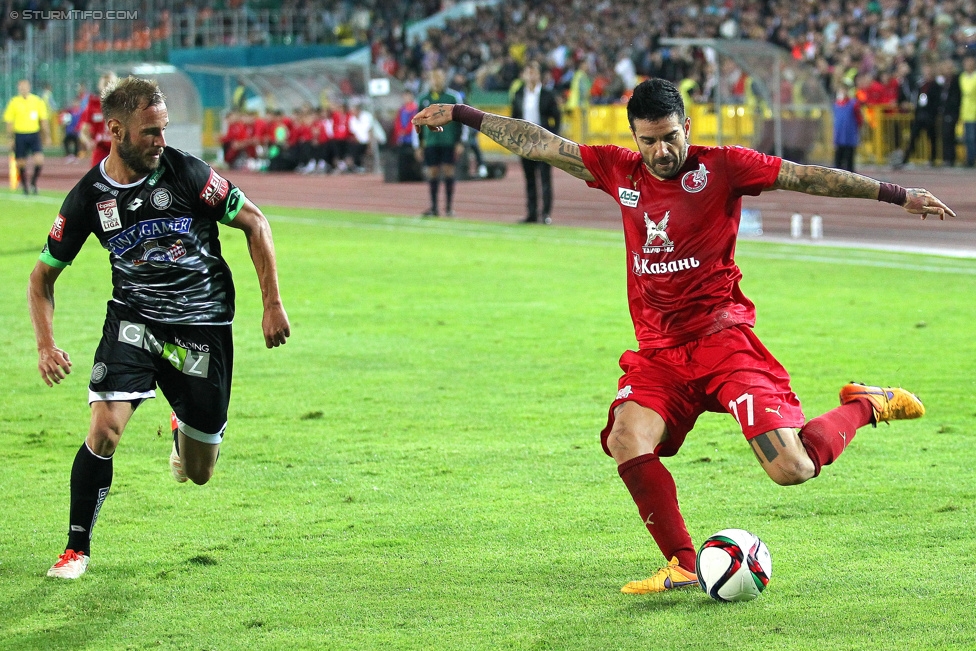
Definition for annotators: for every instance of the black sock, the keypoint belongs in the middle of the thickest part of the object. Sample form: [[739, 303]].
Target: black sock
[[22, 170], [449, 192], [434, 185], [91, 477], [37, 173]]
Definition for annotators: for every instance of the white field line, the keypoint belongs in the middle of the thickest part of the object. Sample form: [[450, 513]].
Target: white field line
[[876, 255]]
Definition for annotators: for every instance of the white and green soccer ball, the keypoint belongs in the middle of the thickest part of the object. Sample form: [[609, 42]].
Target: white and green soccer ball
[[733, 565]]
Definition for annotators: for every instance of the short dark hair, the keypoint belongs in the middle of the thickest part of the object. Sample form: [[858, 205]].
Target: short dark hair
[[655, 99], [125, 97]]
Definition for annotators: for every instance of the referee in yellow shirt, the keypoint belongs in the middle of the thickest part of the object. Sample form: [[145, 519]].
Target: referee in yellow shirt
[[25, 116]]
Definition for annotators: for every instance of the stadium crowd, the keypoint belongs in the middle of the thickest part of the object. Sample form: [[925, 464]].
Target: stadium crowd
[[614, 43], [594, 53], [886, 53], [890, 55]]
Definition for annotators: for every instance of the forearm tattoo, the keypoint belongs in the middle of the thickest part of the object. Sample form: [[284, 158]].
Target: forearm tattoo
[[532, 141], [825, 181]]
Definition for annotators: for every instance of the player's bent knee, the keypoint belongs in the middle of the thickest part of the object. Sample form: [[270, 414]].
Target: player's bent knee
[[789, 471], [198, 459], [636, 431], [104, 433], [619, 441], [198, 471], [199, 476]]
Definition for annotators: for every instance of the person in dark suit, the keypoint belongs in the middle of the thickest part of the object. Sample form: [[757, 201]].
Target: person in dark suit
[[949, 113], [927, 100], [537, 105]]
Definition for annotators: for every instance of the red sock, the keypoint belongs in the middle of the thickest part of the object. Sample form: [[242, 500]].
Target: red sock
[[654, 492], [825, 437]]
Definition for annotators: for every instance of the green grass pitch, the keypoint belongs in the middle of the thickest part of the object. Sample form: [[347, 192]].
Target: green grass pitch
[[419, 467]]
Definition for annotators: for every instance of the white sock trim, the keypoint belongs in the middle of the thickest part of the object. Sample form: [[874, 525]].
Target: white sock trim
[[197, 435], [97, 456]]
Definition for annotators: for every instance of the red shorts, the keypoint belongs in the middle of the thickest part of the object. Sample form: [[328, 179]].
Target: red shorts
[[729, 371]]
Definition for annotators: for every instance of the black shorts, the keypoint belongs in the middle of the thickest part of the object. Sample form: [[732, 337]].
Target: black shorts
[[439, 155], [192, 364], [26, 144]]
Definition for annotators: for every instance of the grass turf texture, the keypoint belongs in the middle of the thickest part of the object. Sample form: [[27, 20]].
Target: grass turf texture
[[419, 468]]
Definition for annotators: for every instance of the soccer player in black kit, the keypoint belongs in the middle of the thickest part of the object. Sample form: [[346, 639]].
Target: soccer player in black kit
[[156, 210]]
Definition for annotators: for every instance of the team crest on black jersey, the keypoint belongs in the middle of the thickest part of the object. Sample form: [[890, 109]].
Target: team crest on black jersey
[[657, 232], [153, 252], [161, 198], [695, 181]]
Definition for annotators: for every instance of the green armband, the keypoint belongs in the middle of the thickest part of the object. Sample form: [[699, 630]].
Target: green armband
[[235, 201], [49, 259]]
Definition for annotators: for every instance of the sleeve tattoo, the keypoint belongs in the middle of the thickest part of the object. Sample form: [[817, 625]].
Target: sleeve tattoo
[[532, 141], [825, 181]]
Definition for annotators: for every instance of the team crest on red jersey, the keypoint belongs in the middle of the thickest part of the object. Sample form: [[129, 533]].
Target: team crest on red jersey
[[695, 181], [658, 232]]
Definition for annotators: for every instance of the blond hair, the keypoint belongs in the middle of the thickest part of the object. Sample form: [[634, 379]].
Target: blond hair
[[123, 98]]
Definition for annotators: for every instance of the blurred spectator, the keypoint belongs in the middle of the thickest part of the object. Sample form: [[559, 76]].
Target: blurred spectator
[[47, 95], [536, 104], [300, 141], [277, 136], [362, 128], [967, 111], [950, 104], [339, 118], [70, 118], [92, 132], [405, 139], [926, 104], [847, 126], [322, 149], [580, 87], [403, 130], [236, 139], [624, 68], [469, 136]]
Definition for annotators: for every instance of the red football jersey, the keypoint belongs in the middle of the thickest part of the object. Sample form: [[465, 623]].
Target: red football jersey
[[682, 280], [92, 116]]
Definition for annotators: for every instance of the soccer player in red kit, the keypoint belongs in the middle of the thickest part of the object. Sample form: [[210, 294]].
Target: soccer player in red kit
[[680, 206], [92, 130]]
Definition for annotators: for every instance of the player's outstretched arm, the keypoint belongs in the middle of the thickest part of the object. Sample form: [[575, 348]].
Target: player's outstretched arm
[[830, 182], [52, 362], [518, 136], [255, 225]]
